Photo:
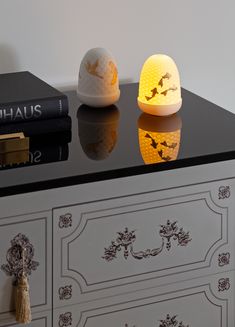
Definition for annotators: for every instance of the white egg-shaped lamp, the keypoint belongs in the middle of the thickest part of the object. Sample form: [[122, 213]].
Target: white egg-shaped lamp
[[159, 86], [98, 84]]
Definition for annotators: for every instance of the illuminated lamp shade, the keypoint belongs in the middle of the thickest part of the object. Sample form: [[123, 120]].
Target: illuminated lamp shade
[[98, 84], [159, 86], [159, 138], [98, 131]]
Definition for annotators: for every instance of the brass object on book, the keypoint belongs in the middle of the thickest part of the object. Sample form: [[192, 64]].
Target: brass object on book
[[13, 158], [14, 149], [13, 142]]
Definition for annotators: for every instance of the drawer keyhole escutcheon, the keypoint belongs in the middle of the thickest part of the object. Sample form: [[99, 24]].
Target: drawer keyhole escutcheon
[[19, 258], [20, 265]]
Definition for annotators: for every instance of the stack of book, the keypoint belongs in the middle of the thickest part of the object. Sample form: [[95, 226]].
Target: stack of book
[[30, 106]]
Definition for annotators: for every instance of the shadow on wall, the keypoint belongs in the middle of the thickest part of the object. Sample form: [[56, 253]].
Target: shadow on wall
[[8, 59]]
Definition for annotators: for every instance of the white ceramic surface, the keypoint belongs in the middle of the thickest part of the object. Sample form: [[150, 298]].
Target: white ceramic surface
[[98, 84]]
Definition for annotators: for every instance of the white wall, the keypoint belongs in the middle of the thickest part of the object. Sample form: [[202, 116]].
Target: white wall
[[49, 38]]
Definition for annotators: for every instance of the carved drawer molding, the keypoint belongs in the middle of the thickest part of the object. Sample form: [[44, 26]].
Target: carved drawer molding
[[169, 321], [132, 240], [125, 240], [176, 305], [41, 319]]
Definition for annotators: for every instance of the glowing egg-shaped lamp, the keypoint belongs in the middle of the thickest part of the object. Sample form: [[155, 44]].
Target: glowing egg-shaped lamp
[[159, 86], [98, 84], [98, 131], [159, 138]]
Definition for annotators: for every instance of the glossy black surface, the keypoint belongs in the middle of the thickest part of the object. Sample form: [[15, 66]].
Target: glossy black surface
[[105, 143]]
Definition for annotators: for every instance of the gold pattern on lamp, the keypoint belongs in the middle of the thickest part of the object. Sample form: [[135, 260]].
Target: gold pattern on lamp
[[166, 76], [156, 92], [114, 70], [92, 68], [173, 88], [159, 138]]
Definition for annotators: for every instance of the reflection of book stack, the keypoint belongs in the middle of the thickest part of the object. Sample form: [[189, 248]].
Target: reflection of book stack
[[51, 147]]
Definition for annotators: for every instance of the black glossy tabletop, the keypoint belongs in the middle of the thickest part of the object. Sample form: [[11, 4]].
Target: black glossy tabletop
[[121, 141]]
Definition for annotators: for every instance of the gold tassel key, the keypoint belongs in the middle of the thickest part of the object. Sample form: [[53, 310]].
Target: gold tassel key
[[23, 309]]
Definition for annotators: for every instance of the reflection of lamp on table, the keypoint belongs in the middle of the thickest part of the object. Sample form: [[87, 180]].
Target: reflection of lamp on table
[[98, 130], [159, 138]]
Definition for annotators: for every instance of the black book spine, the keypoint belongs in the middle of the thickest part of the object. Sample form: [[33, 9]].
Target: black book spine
[[38, 127], [34, 110]]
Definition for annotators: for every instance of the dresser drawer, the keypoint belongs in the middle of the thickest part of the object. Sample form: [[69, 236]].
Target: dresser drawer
[[207, 301], [33, 234], [41, 319], [116, 245]]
